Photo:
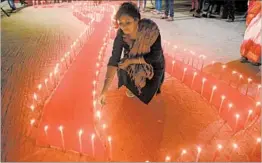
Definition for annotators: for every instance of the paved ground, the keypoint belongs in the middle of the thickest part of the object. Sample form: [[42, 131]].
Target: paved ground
[[21, 38]]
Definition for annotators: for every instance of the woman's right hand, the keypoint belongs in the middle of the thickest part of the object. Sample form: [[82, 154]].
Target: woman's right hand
[[102, 99]]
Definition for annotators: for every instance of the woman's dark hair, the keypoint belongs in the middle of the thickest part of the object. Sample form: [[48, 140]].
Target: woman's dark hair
[[130, 9]]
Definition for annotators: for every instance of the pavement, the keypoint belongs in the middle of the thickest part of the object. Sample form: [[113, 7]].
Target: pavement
[[41, 40]]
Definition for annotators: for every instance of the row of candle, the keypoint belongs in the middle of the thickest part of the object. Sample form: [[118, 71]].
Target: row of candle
[[45, 89], [257, 104], [81, 131], [98, 66], [198, 62]]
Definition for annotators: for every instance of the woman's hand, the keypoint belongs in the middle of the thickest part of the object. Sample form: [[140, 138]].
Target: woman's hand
[[124, 64]]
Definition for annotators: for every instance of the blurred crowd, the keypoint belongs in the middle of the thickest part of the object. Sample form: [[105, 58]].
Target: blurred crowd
[[225, 9]]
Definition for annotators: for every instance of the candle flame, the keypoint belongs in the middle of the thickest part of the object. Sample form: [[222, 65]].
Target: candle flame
[[240, 76], [214, 87], [258, 140], [224, 66], [223, 97], [173, 62], [168, 158], [35, 96], [250, 111], [259, 86], [61, 128], [183, 152], [51, 74], [185, 69], [219, 146], [93, 136], [230, 105], [109, 138], [104, 126], [80, 132], [237, 116], [39, 86], [32, 107], [258, 104], [195, 73], [94, 82], [249, 80], [199, 149], [94, 103], [32, 121], [204, 79], [234, 72], [46, 80], [98, 114], [235, 146], [46, 128], [213, 62]]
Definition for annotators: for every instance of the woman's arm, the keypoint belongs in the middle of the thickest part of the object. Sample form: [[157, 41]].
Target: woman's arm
[[113, 62]]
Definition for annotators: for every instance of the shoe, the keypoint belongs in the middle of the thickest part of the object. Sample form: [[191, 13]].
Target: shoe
[[13, 10], [129, 94], [164, 17], [170, 19], [192, 9], [243, 60]]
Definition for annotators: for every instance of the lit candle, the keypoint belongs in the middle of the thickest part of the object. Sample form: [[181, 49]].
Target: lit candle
[[198, 153], [80, 139], [193, 58], [104, 126], [32, 107], [230, 80], [203, 60], [212, 93], [258, 141], [193, 79], [222, 72], [223, 97], [35, 98], [258, 90], [61, 129], [213, 62], [250, 111], [182, 154], [46, 129], [32, 122], [110, 146], [249, 80], [173, 64], [237, 117], [94, 104], [167, 159], [98, 115], [239, 80], [230, 105], [219, 148], [46, 80], [234, 148], [93, 144], [184, 73], [203, 84], [97, 73]]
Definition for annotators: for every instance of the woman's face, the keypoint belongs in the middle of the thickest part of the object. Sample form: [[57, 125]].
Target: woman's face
[[128, 24]]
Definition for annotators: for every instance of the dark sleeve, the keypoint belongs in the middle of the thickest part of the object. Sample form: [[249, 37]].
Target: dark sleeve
[[117, 50], [155, 53]]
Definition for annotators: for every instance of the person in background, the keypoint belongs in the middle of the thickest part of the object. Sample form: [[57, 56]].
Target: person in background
[[12, 5], [158, 6], [230, 6], [194, 5], [141, 69], [143, 8], [169, 10]]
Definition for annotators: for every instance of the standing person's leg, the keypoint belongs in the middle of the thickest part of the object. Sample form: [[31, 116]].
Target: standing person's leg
[[11, 4], [200, 6], [166, 10], [144, 5], [171, 10], [231, 10], [138, 4]]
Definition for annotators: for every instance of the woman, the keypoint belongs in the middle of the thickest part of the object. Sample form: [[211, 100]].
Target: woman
[[141, 69]]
